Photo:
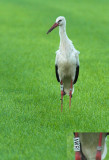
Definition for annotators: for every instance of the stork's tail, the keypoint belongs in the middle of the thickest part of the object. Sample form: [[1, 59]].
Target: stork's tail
[[66, 91], [67, 85]]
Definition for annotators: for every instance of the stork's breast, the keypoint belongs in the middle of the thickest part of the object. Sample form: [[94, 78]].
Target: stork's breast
[[67, 66]]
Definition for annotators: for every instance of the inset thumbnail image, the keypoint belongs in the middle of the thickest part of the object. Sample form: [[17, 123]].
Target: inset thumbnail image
[[87, 146]]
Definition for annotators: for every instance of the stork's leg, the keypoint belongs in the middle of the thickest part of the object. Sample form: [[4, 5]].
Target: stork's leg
[[70, 93], [62, 94], [99, 148]]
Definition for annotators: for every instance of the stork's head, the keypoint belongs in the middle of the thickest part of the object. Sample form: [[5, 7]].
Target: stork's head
[[60, 21]]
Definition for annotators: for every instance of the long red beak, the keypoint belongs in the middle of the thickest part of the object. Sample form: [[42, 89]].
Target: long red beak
[[53, 27]]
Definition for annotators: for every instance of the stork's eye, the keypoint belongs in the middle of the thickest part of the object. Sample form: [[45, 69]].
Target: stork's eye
[[59, 20]]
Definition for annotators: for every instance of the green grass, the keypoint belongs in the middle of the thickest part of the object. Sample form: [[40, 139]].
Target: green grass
[[31, 123]]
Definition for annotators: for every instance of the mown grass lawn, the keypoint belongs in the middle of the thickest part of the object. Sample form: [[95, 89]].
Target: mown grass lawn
[[31, 123]]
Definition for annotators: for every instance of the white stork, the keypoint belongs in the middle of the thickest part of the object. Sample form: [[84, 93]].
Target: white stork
[[90, 146], [66, 62]]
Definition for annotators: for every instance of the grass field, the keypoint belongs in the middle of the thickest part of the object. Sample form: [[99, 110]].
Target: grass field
[[31, 123]]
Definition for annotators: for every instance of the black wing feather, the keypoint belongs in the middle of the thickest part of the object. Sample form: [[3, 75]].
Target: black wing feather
[[56, 71], [77, 74]]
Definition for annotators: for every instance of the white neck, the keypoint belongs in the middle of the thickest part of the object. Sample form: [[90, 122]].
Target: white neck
[[62, 33], [64, 40]]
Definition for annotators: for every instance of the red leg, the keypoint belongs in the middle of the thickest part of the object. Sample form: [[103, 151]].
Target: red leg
[[70, 93], [62, 94], [99, 148]]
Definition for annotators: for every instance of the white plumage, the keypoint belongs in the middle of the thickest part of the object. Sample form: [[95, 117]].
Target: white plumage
[[67, 59]]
